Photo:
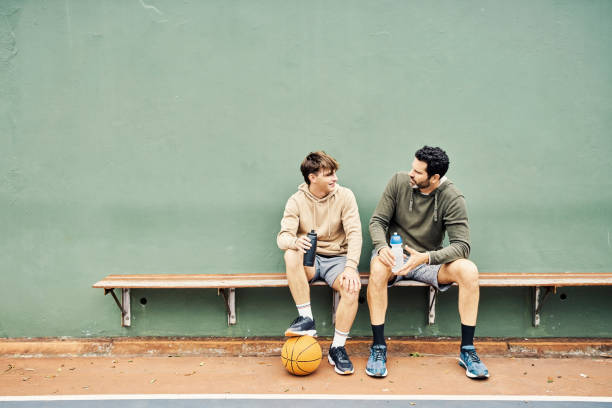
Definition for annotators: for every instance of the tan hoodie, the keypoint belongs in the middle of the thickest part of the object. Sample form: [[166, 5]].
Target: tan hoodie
[[335, 218]]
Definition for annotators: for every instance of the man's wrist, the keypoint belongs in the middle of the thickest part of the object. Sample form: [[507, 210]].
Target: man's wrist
[[350, 269]]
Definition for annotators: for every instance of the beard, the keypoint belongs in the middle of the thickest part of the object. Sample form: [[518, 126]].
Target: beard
[[423, 184]]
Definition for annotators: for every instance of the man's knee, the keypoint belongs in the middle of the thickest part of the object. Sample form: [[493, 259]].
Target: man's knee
[[379, 273], [465, 272], [293, 257], [348, 298]]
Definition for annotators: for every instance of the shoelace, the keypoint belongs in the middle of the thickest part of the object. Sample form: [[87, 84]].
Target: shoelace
[[341, 354], [377, 354], [473, 356]]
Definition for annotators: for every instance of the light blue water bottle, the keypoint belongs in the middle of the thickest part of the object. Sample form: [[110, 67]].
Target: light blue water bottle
[[397, 251]]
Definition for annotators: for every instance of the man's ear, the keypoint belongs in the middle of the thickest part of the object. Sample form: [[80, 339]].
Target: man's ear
[[312, 177], [435, 178]]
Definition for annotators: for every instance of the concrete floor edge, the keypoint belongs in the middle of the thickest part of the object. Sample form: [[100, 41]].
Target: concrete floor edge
[[185, 346]]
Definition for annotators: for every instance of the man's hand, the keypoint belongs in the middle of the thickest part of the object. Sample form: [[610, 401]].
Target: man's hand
[[303, 244], [415, 259], [349, 280], [386, 257]]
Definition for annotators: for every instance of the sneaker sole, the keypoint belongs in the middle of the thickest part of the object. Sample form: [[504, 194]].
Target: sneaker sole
[[376, 375], [336, 368], [470, 375], [290, 333]]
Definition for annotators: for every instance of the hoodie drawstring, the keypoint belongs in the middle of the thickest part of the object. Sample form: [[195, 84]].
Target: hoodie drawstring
[[435, 215], [328, 216], [436, 206], [411, 200], [314, 215]]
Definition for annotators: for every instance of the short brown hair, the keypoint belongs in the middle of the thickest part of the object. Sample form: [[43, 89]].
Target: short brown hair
[[317, 161]]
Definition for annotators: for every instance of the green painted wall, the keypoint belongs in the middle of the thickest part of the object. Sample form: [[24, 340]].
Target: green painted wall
[[153, 136]]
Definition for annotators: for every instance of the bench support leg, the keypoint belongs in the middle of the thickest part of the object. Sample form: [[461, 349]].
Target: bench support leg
[[229, 296], [335, 303], [126, 320], [124, 305], [431, 308], [538, 301]]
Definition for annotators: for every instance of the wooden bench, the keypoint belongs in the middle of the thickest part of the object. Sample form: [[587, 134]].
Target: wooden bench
[[542, 283]]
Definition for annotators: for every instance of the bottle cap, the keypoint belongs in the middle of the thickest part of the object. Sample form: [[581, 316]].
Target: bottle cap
[[396, 239]]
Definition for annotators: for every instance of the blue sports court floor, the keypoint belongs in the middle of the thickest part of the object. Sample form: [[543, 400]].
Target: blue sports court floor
[[305, 401]]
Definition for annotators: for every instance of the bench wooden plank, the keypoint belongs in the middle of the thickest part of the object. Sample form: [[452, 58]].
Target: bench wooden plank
[[546, 279], [202, 281]]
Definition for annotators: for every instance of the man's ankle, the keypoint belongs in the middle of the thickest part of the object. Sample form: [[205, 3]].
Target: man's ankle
[[378, 334]]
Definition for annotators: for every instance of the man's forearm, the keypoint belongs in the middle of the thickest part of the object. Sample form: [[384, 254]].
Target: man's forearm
[[454, 251], [378, 232], [286, 241]]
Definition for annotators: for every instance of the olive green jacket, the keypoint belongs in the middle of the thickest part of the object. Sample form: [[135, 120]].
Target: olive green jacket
[[422, 219]]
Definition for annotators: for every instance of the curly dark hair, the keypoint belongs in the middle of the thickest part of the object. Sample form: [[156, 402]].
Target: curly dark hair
[[436, 159]]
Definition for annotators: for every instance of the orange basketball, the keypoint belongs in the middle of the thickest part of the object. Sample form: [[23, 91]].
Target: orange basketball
[[301, 355]]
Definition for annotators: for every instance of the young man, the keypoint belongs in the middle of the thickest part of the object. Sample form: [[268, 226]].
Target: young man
[[322, 205], [421, 206]]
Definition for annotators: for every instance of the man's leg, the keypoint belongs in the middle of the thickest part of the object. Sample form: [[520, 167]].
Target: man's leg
[[345, 316], [298, 277], [347, 308], [465, 274], [380, 274]]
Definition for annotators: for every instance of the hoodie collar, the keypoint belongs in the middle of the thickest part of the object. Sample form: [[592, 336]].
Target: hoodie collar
[[435, 193], [304, 188], [442, 180]]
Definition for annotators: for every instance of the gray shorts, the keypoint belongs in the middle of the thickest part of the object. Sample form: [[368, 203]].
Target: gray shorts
[[328, 268], [423, 273]]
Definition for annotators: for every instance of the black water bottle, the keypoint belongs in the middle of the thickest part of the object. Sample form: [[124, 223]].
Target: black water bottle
[[309, 256]]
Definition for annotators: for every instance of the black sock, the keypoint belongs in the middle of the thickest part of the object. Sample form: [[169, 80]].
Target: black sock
[[378, 331], [467, 335]]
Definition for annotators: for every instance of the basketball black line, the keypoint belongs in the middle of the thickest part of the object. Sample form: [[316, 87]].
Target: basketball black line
[[305, 361], [293, 348], [311, 344], [297, 365], [308, 372], [298, 361], [284, 353], [285, 358], [303, 372]]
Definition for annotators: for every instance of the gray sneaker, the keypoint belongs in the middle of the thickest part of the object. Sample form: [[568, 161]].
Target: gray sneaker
[[377, 363]]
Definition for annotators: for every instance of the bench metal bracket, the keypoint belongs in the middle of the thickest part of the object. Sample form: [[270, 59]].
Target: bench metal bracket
[[229, 296], [538, 301], [431, 308], [124, 305]]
